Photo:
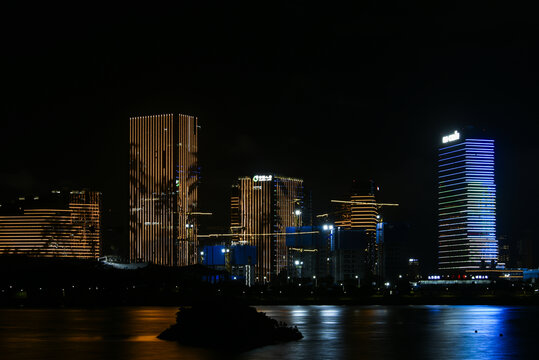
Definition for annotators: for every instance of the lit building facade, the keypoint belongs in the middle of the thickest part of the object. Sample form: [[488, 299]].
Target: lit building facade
[[466, 203], [362, 215], [61, 224], [365, 214], [163, 189], [361, 212], [262, 207]]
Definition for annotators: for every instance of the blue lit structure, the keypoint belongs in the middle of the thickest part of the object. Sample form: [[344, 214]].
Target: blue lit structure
[[237, 260], [310, 237], [467, 204], [238, 255]]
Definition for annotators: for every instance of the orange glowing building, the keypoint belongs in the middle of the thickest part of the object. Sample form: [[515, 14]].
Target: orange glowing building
[[364, 215], [361, 215], [61, 224], [262, 207], [358, 216], [163, 189]]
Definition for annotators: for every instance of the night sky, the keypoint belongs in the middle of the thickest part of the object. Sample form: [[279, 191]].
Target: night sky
[[326, 94]]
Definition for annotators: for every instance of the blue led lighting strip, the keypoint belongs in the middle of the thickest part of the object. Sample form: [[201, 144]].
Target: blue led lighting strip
[[467, 205]]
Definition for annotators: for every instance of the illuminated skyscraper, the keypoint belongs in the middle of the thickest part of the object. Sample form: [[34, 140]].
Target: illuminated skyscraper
[[262, 208], [61, 224], [163, 193], [467, 204]]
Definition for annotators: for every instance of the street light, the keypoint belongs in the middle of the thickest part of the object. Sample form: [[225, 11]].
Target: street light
[[298, 267], [202, 257], [297, 212]]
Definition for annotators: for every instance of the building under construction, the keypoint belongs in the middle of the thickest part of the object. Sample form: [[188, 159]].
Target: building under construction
[[360, 217]]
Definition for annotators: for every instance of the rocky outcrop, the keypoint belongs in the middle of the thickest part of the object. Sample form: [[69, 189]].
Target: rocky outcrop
[[227, 326]]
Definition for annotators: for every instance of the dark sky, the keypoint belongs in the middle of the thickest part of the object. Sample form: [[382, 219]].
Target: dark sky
[[326, 94]]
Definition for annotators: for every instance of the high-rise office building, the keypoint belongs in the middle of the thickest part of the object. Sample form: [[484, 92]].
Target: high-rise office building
[[163, 189], [59, 224], [262, 207], [467, 204]]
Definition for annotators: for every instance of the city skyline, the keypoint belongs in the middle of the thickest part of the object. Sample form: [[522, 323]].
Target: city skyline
[[269, 180], [163, 166], [403, 79], [163, 121]]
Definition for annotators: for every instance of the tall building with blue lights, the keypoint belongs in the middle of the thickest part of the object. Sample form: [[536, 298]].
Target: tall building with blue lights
[[466, 204]]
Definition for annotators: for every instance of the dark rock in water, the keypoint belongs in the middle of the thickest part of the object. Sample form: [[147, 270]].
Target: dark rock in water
[[227, 326]]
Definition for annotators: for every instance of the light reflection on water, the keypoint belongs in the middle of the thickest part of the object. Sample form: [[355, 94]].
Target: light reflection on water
[[331, 332]]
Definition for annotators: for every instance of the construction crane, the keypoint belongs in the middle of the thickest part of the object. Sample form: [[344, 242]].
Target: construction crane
[[363, 203], [259, 234]]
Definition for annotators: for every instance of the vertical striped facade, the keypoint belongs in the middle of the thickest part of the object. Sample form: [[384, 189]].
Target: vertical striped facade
[[163, 189], [467, 205], [266, 208], [288, 198], [86, 216], [73, 230]]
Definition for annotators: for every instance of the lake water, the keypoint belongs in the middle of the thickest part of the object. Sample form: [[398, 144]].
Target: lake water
[[331, 332]]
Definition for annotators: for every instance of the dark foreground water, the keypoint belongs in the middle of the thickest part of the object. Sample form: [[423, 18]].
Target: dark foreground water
[[331, 332]]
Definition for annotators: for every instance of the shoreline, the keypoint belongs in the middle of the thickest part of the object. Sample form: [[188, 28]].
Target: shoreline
[[482, 301]]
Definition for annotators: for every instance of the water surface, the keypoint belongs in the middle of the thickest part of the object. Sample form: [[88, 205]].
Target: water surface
[[331, 332]]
